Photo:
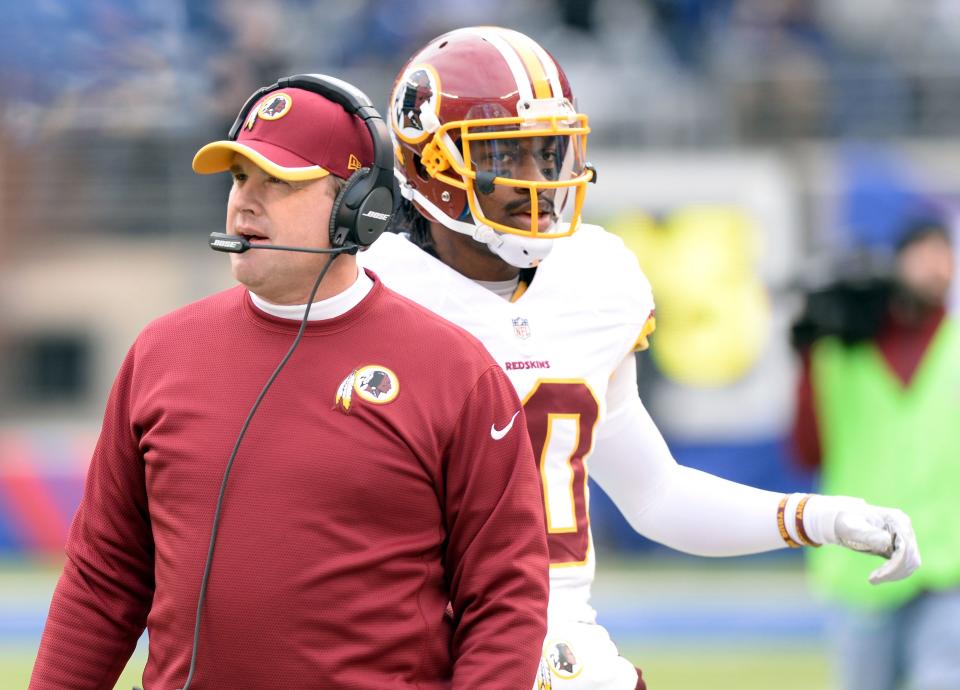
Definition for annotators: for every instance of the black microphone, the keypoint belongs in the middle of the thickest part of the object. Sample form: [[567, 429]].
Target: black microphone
[[235, 244], [485, 182]]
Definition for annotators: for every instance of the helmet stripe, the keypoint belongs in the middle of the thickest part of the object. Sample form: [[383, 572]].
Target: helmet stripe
[[549, 66], [532, 62], [494, 36]]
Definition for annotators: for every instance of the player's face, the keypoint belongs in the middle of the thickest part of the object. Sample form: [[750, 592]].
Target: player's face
[[533, 159], [268, 210]]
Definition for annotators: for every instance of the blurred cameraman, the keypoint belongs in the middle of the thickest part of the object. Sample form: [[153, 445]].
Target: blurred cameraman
[[878, 413]]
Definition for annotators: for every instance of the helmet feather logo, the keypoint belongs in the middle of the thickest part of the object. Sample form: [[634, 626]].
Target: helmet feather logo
[[415, 99]]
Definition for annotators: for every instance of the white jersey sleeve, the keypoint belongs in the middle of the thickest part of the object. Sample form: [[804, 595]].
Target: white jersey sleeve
[[621, 287], [678, 506]]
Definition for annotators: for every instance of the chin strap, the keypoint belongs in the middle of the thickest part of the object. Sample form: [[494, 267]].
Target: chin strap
[[521, 252]]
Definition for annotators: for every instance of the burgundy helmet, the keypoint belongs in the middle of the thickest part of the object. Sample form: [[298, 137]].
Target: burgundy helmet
[[481, 107]]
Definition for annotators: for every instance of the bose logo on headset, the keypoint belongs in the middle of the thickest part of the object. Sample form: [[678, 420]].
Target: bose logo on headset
[[226, 244], [377, 215]]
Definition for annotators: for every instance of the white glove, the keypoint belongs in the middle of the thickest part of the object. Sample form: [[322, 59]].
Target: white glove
[[857, 525]]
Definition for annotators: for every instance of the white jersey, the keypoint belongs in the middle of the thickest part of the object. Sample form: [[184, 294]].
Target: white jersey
[[559, 342]]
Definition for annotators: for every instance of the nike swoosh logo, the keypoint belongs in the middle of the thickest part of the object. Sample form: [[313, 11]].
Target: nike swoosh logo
[[497, 434]]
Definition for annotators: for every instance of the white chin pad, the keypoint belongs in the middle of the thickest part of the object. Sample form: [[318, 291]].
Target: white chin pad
[[522, 252]]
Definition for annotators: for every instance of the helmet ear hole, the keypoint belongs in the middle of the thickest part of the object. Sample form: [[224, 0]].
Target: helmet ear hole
[[421, 170]]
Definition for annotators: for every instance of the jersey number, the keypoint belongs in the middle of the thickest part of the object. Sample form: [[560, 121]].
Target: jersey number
[[561, 417]]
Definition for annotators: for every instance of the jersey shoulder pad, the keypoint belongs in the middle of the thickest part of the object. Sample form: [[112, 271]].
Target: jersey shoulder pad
[[398, 262], [406, 268], [610, 263]]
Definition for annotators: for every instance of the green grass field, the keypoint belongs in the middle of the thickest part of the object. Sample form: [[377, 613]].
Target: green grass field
[[705, 661], [734, 668], [664, 669]]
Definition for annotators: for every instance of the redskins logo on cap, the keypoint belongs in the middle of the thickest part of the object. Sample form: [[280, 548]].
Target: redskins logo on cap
[[374, 383], [272, 107], [275, 106], [416, 98]]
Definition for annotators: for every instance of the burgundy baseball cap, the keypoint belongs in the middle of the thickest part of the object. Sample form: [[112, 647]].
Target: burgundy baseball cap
[[294, 134]]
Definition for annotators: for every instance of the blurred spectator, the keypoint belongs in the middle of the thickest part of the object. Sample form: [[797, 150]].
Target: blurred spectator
[[247, 44], [880, 195], [877, 412], [579, 15], [771, 57], [99, 64], [685, 26]]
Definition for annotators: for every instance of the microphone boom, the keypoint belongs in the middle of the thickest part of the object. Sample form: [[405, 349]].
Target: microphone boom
[[235, 244]]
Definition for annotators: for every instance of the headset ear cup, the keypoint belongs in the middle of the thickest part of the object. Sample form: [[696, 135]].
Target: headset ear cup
[[342, 230]]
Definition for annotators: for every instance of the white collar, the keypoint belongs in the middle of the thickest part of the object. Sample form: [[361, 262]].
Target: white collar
[[501, 288], [328, 308]]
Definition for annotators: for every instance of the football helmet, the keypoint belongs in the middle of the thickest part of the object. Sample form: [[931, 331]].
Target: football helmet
[[488, 143]]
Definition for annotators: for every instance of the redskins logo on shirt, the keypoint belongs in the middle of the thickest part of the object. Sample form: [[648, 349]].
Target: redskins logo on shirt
[[373, 383], [563, 661], [544, 679]]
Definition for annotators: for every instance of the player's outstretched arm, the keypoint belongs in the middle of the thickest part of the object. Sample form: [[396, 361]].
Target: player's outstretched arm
[[702, 514]]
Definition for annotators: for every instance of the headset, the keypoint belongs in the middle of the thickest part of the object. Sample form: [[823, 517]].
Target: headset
[[362, 209], [359, 215]]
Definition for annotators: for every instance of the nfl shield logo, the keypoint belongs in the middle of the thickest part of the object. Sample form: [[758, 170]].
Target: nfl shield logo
[[521, 328]]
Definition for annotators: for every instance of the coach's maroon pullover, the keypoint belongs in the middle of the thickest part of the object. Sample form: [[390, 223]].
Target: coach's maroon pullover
[[350, 520]]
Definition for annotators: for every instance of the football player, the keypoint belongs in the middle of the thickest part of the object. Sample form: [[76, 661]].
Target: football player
[[490, 156]]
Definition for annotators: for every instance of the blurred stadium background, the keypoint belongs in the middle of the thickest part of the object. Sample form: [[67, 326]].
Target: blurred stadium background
[[742, 146]]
